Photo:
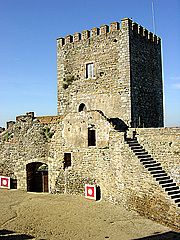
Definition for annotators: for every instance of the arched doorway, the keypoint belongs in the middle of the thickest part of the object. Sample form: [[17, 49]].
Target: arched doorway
[[37, 177]]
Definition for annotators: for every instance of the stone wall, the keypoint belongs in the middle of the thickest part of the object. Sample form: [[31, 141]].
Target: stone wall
[[142, 193], [164, 146], [146, 78], [109, 164], [109, 89], [23, 142], [127, 76], [87, 162], [120, 175]]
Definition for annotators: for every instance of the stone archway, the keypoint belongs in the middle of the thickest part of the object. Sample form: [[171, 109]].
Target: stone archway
[[37, 177]]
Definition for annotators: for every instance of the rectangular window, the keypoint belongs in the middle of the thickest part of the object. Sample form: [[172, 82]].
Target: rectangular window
[[89, 70], [91, 137], [67, 160]]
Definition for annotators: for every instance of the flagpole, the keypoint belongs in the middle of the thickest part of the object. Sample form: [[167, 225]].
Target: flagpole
[[153, 18]]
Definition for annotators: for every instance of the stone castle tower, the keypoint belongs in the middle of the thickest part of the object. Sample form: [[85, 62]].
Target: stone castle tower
[[108, 78], [114, 69]]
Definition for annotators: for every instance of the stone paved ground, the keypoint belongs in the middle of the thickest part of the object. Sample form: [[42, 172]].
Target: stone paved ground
[[64, 217]]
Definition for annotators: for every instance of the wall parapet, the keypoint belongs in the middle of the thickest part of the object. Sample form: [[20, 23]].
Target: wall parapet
[[29, 117], [24, 118], [126, 23], [49, 119]]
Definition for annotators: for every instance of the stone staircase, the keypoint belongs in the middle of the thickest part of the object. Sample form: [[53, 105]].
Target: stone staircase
[[155, 168]]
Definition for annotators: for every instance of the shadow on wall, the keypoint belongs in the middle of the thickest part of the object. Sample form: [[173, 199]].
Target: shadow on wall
[[10, 235], [163, 236], [118, 124]]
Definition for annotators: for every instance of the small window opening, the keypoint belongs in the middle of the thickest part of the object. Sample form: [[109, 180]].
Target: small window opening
[[82, 107], [91, 137], [89, 70], [67, 160]]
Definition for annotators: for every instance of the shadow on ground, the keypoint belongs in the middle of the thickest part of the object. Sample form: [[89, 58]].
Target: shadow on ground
[[162, 236], [10, 235]]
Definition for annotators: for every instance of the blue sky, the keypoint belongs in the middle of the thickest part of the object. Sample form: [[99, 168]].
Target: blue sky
[[29, 29]]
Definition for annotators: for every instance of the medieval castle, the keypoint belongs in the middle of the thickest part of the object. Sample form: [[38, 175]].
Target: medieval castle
[[109, 130]]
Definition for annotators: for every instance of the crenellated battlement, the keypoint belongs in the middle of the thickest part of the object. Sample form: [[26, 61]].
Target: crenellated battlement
[[29, 117], [143, 32], [126, 24]]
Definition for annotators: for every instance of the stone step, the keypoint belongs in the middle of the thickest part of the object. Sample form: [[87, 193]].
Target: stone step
[[175, 196], [134, 144], [136, 147], [154, 168], [165, 181], [156, 171], [144, 156], [131, 139], [167, 189], [148, 162], [174, 192], [162, 176], [127, 139], [177, 200], [146, 159], [168, 185], [147, 165], [139, 150], [140, 153]]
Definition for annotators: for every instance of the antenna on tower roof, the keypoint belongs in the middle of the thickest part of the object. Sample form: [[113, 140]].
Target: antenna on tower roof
[[153, 18]]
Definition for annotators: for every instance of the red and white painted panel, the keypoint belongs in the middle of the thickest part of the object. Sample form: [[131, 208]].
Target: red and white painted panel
[[90, 191], [4, 182]]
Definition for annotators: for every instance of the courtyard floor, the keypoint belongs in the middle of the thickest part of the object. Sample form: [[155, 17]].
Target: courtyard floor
[[66, 217]]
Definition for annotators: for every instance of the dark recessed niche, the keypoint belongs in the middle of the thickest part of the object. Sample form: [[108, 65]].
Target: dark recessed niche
[[82, 107], [115, 40]]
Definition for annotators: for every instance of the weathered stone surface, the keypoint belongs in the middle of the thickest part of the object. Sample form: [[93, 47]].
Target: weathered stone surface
[[125, 90], [127, 80]]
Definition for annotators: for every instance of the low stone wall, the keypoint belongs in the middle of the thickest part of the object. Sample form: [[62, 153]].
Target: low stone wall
[[143, 194], [110, 164], [121, 177], [164, 146], [20, 144]]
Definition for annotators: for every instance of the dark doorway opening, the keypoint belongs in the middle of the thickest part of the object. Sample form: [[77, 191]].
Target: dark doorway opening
[[37, 177], [13, 183], [91, 137], [67, 160], [98, 193]]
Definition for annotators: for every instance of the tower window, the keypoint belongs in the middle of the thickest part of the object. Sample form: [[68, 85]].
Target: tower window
[[82, 107], [67, 160], [89, 70], [91, 137]]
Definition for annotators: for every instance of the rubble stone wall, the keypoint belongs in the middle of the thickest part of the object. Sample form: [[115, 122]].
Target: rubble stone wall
[[164, 146], [127, 74], [146, 79], [110, 164]]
